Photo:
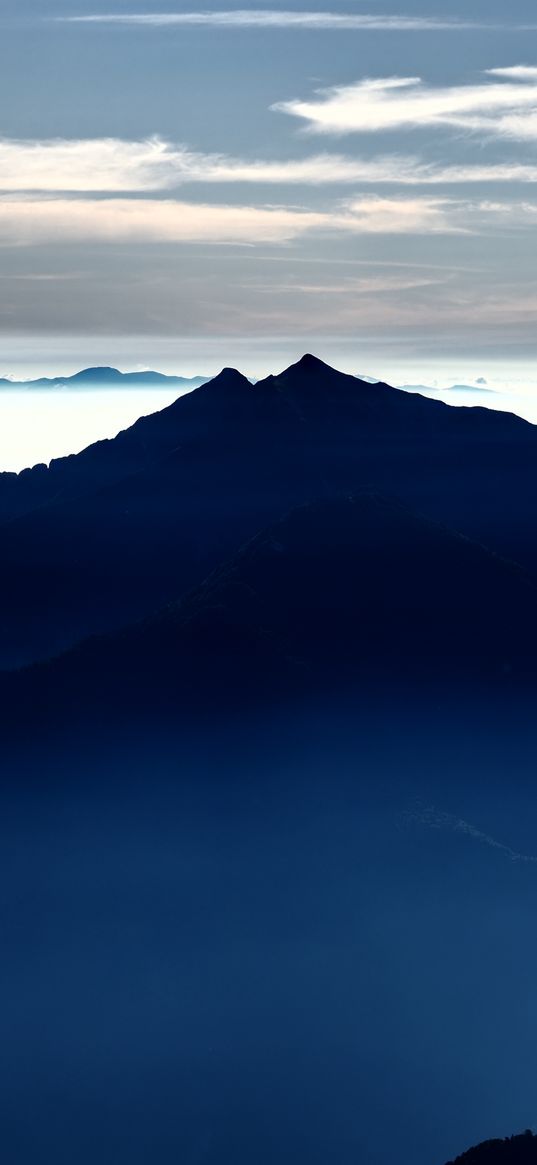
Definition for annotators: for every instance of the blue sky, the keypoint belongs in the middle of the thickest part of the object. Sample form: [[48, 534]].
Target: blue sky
[[189, 187]]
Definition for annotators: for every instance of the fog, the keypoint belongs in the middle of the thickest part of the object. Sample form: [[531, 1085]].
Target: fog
[[303, 957], [38, 425]]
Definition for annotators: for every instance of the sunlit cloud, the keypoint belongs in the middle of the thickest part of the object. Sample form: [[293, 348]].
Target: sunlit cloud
[[26, 221], [269, 18], [86, 165], [112, 165], [505, 107], [377, 215], [118, 221], [522, 72]]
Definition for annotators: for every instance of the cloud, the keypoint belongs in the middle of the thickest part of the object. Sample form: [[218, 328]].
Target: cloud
[[269, 18], [368, 285], [511, 215], [403, 216], [115, 165], [331, 169], [506, 107], [99, 164], [422, 174], [112, 165], [522, 72], [26, 221], [117, 221]]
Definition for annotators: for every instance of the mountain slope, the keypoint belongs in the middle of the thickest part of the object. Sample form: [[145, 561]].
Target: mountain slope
[[520, 1150], [337, 595], [101, 539]]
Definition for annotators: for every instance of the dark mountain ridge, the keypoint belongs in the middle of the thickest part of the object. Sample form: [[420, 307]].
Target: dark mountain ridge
[[356, 594], [105, 537], [518, 1150]]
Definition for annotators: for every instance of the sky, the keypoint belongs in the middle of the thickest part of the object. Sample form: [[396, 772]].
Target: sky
[[185, 188]]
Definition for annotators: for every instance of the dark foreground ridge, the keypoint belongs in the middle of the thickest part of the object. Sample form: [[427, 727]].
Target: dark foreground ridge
[[519, 1150], [339, 595]]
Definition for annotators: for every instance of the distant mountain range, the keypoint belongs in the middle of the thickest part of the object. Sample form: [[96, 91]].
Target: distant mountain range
[[477, 390], [108, 378], [112, 378], [520, 1150]]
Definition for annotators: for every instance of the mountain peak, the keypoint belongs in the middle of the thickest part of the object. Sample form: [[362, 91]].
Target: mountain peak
[[98, 373], [229, 389], [310, 386], [310, 363], [229, 377]]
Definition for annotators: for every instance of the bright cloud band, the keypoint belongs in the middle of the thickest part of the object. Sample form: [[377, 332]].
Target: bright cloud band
[[62, 221], [505, 107], [112, 165], [267, 18]]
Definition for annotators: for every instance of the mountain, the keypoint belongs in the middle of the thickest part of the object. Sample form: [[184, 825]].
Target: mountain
[[202, 914], [101, 539], [338, 595], [520, 1150], [109, 378]]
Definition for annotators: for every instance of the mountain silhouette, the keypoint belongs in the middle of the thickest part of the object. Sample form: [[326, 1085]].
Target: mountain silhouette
[[108, 378], [101, 539], [519, 1150], [247, 626]]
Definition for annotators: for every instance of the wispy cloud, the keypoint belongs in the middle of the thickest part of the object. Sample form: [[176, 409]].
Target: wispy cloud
[[377, 215], [521, 72], [343, 288], [26, 220], [123, 220], [89, 165], [64, 217], [115, 165], [506, 106], [112, 165], [120, 220], [269, 18]]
